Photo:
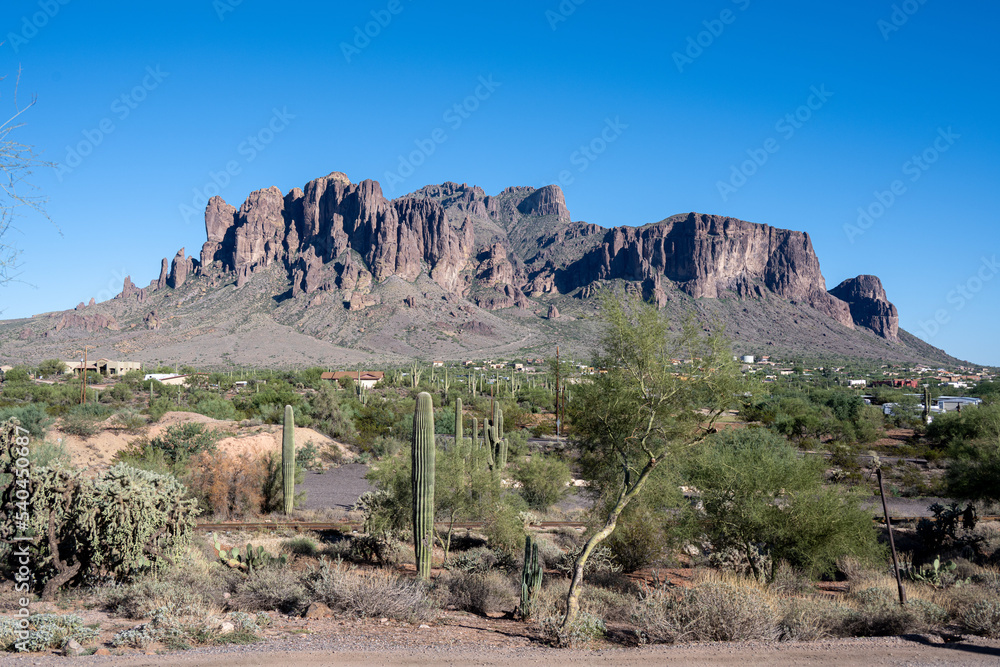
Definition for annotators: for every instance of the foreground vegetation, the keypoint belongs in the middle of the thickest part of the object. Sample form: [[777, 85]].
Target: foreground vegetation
[[681, 462]]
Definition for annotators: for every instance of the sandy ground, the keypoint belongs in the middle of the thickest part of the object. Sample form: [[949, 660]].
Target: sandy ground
[[98, 450]]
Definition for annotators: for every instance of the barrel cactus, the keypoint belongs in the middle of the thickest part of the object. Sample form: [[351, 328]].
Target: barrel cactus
[[288, 459], [422, 478]]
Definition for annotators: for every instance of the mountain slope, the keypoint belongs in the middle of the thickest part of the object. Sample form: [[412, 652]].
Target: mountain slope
[[334, 273]]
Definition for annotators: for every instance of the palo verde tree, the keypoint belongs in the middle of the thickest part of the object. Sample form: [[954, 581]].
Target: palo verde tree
[[658, 392]]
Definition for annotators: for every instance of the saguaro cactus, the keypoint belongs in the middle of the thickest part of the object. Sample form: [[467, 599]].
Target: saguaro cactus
[[459, 426], [475, 434], [288, 459], [531, 578], [927, 405], [423, 483]]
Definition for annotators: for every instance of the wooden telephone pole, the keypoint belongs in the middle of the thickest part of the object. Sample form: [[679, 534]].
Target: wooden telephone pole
[[558, 420]]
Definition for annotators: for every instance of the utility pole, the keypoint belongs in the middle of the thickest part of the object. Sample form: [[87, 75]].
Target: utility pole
[[558, 420]]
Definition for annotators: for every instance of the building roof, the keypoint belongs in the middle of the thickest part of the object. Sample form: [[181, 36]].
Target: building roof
[[365, 375]]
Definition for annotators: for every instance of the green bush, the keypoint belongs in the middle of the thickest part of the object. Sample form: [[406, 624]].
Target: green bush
[[183, 441], [544, 480], [32, 417], [758, 494]]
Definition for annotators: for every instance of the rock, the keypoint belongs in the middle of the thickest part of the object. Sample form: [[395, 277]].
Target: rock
[[93, 301], [553, 312], [72, 648], [318, 610], [869, 306], [549, 200], [89, 323], [179, 270], [424, 626], [225, 627], [80, 306], [102, 651]]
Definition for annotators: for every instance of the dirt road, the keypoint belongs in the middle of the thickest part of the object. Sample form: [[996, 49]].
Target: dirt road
[[910, 650]]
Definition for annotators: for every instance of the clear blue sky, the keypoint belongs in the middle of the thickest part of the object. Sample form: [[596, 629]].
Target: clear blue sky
[[683, 93]]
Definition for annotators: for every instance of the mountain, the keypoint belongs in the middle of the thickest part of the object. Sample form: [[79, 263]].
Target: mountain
[[335, 273]]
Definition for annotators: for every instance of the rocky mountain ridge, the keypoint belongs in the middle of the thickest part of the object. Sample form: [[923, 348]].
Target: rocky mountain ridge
[[446, 268], [316, 231]]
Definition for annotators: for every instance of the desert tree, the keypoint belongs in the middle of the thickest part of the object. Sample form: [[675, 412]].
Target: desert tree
[[17, 162], [657, 392]]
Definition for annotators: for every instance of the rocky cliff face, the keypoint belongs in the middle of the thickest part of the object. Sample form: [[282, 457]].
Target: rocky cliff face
[[870, 307], [501, 251], [709, 256]]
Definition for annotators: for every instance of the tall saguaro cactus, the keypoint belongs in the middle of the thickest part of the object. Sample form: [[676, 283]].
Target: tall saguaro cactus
[[459, 426], [927, 405], [423, 483], [288, 459]]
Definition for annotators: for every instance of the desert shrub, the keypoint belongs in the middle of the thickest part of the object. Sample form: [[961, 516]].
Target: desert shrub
[[983, 618], [121, 393], [544, 480], [302, 545], [141, 598], [32, 417], [480, 559], [786, 580], [119, 524], [586, 627], [227, 485], [371, 593], [639, 539], [81, 426], [182, 441], [480, 592], [130, 421], [710, 611], [757, 492], [504, 529], [271, 589], [376, 548], [45, 631], [45, 454], [879, 614], [812, 620]]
